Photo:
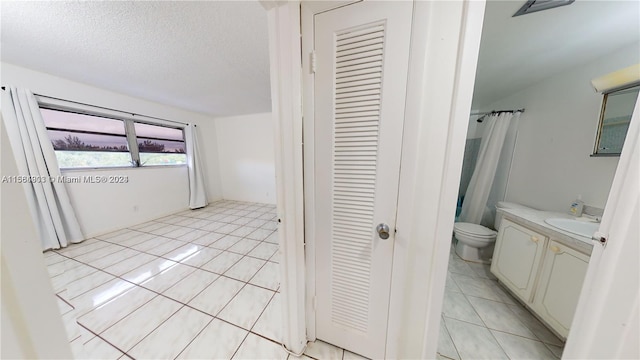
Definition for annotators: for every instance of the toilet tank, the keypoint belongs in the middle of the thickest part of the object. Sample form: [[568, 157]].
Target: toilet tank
[[506, 205]]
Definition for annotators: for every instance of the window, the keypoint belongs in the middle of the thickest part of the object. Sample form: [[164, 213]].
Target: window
[[92, 141], [617, 108], [159, 145]]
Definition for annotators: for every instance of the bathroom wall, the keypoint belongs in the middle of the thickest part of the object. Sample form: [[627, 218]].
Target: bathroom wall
[[552, 163]]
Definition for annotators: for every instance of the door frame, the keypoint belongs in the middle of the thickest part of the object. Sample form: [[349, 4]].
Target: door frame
[[440, 145]]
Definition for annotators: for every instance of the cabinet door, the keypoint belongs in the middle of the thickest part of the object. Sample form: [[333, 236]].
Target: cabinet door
[[516, 258], [563, 272]]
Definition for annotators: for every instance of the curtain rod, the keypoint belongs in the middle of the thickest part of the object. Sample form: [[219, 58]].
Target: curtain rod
[[106, 108], [484, 114]]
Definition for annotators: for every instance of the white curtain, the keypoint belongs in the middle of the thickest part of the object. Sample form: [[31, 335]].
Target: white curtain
[[492, 168], [48, 200], [197, 192]]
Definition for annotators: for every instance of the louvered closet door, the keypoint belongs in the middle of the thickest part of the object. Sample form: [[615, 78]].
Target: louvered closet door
[[362, 53]]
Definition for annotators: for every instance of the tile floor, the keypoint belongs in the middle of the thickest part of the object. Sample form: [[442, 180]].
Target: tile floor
[[480, 320], [204, 284], [194, 285]]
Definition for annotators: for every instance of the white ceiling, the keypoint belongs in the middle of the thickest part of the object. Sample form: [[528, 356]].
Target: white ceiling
[[518, 52], [212, 56], [206, 56]]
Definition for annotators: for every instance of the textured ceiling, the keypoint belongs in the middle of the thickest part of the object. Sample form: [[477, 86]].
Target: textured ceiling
[[518, 52], [212, 57], [205, 56]]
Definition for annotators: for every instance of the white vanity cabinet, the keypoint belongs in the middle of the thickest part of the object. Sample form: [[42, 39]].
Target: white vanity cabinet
[[557, 293], [517, 257], [541, 270]]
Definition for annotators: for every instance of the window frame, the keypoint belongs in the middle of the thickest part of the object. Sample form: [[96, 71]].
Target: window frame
[[600, 128], [129, 129]]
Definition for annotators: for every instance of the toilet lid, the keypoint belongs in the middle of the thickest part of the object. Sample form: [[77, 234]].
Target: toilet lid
[[474, 229]]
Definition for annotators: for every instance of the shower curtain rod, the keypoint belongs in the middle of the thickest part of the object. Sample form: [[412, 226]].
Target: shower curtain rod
[[495, 112], [484, 114], [106, 108]]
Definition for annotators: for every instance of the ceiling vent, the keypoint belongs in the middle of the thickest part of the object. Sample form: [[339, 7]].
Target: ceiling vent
[[539, 5]]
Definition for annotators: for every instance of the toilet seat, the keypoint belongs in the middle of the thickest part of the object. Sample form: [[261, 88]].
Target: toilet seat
[[474, 230]]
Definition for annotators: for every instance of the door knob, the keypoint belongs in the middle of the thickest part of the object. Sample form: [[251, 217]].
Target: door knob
[[383, 231]]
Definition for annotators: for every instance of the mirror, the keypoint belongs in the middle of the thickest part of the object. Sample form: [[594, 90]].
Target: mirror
[[617, 107]]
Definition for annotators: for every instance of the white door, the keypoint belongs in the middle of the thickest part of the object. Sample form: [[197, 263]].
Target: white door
[[362, 55]]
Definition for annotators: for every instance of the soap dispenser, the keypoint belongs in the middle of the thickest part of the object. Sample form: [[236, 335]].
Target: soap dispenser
[[576, 207]]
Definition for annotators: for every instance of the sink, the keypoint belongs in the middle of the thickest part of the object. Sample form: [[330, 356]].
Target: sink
[[581, 228]]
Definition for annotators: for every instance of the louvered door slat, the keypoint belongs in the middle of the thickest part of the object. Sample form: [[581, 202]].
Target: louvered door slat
[[355, 145]]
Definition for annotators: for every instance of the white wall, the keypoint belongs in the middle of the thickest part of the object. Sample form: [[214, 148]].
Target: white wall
[[552, 163], [150, 193], [246, 157]]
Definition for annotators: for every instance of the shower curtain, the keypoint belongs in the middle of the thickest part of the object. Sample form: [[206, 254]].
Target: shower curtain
[[489, 179]]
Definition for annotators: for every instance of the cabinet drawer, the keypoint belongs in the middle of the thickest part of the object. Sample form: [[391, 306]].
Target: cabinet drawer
[[517, 257]]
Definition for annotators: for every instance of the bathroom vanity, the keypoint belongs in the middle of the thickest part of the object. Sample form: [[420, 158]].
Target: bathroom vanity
[[544, 267]]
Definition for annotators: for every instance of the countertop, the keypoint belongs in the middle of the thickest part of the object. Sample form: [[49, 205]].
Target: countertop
[[534, 219]]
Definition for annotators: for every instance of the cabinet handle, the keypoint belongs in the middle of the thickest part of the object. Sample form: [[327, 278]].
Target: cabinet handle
[[555, 249], [534, 239]]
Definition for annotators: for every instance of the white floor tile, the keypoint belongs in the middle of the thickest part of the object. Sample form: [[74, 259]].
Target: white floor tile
[[168, 278], [87, 283], [445, 344], [178, 232], [134, 327], [97, 348], [63, 306], [473, 341], [148, 270], [219, 340], [212, 299], [321, 350], [245, 268], [151, 244], [114, 258], [348, 355], [225, 242], [518, 347], [170, 338], [456, 306], [269, 324], [193, 235], [259, 234], [129, 264], [242, 231], [207, 239], [191, 285], [474, 286], [243, 246], [264, 251], [89, 257], [541, 331], [166, 247], [134, 239], [100, 295], [101, 318], [60, 282], [62, 266], [246, 306], [222, 262], [84, 247], [268, 276], [256, 347], [497, 316]]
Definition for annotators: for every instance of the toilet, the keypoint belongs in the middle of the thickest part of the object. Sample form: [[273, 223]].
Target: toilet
[[475, 242]]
